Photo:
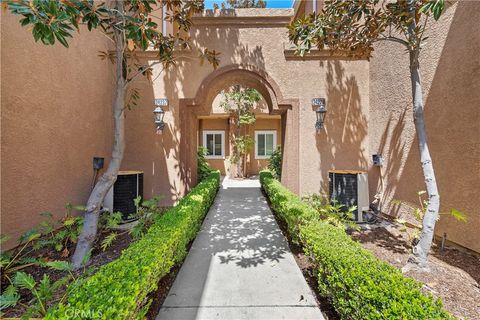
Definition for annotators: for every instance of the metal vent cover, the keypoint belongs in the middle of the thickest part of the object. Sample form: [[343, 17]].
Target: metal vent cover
[[343, 187], [125, 190]]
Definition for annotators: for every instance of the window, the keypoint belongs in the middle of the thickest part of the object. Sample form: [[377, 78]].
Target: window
[[214, 141], [265, 143]]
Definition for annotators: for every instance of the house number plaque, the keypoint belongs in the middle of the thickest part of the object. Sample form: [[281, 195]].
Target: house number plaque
[[161, 102]]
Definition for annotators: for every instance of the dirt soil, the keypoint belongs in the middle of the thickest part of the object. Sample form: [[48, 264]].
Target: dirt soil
[[454, 274], [97, 259]]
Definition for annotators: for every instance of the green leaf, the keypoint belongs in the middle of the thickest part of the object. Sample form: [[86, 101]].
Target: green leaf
[[137, 201], [61, 39], [107, 242], [5, 259], [30, 235], [460, 216], [418, 213], [69, 221], [396, 202], [45, 289], [60, 265], [9, 297], [79, 208], [4, 238], [24, 280], [86, 258]]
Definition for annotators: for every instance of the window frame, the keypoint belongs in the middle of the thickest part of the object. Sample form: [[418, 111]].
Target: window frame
[[215, 132], [264, 132]]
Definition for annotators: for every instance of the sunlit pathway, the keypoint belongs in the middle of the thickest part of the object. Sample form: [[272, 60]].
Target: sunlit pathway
[[240, 266]]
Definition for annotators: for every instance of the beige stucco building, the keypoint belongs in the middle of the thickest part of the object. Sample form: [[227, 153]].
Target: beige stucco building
[[56, 115]]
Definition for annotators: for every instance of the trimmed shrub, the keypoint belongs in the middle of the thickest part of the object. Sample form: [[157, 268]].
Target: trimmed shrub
[[359, 285], [275, 163], [286, 204], [119, 290], [203, 168]]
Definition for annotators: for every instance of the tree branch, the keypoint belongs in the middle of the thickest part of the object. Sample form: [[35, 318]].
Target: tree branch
[[141, 70], [394, 39], [424, 27]]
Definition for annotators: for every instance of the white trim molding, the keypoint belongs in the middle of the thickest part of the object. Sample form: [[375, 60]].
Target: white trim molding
[[265, 132], [214, 132]]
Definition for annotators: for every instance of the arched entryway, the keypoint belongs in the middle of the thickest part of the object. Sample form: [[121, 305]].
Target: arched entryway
[[200, 105]]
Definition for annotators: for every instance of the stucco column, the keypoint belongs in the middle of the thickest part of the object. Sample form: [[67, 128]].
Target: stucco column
[[231, 137], [290, 147], [188, 147]]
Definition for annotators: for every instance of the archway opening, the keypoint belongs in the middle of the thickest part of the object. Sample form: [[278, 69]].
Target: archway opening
[[202, 114], [239, 135]]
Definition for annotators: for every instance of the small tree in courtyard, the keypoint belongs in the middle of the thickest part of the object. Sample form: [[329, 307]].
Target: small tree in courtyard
[[239, 102], [353, 26], [129, 25]]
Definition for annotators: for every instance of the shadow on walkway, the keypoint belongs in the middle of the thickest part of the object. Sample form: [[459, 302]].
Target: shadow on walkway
[[240, 265]]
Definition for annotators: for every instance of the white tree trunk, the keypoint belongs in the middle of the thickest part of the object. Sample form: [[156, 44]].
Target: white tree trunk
[[106, 181], [421, 250]]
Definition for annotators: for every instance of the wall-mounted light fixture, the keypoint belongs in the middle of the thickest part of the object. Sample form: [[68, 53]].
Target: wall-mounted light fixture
[[159, 113], [320, 111]]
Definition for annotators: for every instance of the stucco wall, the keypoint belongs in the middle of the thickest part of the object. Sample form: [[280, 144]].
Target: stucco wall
[[258, 42], [56, 114], [55, 117], [450, 67], [217, 124], [253, 165], [256, 165]]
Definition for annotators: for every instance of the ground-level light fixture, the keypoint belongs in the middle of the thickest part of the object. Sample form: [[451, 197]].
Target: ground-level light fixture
[[159, 113], [320, 111]]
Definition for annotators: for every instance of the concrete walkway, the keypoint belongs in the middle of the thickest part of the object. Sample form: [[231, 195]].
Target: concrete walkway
[[240, 266]]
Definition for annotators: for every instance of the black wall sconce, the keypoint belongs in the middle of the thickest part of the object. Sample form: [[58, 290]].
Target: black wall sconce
[[320, 111], [159, 113]]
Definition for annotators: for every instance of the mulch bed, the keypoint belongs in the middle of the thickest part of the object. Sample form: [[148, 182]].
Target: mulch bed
[[97, 259], [454, 276]]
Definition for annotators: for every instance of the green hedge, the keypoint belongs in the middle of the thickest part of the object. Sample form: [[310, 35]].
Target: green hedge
[[119, 289], [359, 285]]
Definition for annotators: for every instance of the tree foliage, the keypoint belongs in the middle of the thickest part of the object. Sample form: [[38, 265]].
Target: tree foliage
[[353, 26], [239, 102], [235, 4], [132, 27], [52, 20]]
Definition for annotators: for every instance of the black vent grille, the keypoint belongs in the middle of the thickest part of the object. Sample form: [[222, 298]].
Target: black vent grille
[[125, 191], [343, 189]]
